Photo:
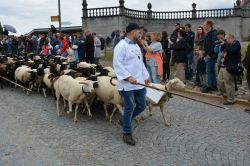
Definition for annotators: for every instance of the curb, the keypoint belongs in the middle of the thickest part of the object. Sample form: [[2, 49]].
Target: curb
[[241, 102]]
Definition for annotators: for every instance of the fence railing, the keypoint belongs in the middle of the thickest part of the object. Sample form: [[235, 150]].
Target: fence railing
[[122, 11]]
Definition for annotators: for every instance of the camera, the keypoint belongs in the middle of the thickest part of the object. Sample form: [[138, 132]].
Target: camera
[[217, 42]]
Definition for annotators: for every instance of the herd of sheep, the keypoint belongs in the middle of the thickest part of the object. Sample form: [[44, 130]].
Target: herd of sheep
[[79, 85]]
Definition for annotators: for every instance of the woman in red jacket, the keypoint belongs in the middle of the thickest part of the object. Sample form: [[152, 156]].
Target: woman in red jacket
[[65, 46]]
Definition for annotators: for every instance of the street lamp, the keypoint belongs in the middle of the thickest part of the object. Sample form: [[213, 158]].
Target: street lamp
[[59, 14]]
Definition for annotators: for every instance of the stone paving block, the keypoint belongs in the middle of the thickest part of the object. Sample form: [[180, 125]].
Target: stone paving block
[[31, 132]]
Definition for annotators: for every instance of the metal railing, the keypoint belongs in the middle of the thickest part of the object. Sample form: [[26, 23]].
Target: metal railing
[[122, 11]]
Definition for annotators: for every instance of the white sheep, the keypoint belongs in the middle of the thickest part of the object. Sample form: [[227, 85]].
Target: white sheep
[[171, 85], [73, 91], [26, 75], [84, 65], [108, 93], [111, 72]]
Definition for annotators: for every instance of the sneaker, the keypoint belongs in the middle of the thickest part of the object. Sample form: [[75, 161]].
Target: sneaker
[[205, 90], [214, 88], [128, 139], [197, 84], [120, 122], [228, 103], [247, 110]]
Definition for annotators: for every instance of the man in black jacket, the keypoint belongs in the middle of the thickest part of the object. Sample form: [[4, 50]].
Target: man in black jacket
[[90, 47], [231, 57], [190, 51], [210, 59], [174, 35]]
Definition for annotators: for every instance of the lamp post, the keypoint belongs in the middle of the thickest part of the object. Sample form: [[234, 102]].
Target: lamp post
[[59, 14]]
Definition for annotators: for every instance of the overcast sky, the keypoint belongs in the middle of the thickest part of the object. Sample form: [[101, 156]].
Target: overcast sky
[[26, 15]]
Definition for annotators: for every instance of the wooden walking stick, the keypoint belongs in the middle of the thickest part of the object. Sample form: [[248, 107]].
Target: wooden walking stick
[[183, 96], [15, 83]]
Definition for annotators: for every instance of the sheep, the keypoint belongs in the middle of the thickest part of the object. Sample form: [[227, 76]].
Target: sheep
[[84, 65], [73, 91], [3, 72], [172, 84], [25, 75], [108, 93], [111, 72]]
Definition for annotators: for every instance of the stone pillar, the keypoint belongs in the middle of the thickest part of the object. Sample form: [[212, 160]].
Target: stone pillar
[[237, 8], [149, 11], [194, 10], [84, 15], [122, 7]]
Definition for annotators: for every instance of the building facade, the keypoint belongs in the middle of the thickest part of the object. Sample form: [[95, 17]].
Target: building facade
[[235, 20]]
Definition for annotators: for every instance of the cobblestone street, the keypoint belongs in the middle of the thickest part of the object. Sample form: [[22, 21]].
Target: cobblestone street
[[31, 133]]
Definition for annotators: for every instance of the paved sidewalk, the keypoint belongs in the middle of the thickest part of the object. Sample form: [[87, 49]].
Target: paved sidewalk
[[31, 133]]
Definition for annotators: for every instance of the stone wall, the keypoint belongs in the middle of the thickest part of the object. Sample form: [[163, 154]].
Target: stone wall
[[239, 26]]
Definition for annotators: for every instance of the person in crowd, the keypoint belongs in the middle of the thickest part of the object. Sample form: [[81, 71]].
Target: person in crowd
[[180, 55], [41, 42], [231, 57], [154, 57], [190, 55], [209, 44], [108, 41], [81, 48], [102, 41], [199, 43], [75, 41], [9, 44], [199, 37], [217, 49], [47, 48], [130, 70], [201, 67], [20, 44], [143, 40], [117, 38], [89, 46], [174, 35], [246, 64], [53, 29], [14, 45], [5, 32], [65, 45], [166, 57], [97, 48]]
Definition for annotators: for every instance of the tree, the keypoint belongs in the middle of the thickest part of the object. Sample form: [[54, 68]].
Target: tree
[[1, 30]]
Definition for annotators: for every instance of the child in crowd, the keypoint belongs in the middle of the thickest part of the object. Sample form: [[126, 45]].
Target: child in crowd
[[201, 67]]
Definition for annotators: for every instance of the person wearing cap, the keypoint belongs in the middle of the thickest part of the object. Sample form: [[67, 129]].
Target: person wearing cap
[[130, 70]]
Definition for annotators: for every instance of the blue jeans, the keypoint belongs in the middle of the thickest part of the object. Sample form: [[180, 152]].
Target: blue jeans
[[211, 73], [189, 66], [153, 70], [76, 56], [64, 54], [134, 104]]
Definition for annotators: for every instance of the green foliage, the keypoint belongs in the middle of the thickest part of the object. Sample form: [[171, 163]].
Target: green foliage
[[1, 29]]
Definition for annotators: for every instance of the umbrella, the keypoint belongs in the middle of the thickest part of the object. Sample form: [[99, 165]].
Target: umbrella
[[10, 28]]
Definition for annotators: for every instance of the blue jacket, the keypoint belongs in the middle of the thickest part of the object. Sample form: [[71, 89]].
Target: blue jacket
[[209, 42]]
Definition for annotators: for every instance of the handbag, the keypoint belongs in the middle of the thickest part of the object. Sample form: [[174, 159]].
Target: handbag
[[70, 51], [235, 69]]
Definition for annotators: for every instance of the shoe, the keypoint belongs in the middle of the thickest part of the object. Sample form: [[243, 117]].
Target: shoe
[[197, 84], [214, 88], [247, 110], [221, 94], [228, 103], [128, 139], [205, 90], [120, 122]]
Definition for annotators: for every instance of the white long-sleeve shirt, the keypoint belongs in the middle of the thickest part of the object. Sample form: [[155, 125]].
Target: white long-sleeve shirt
[[128, 61]]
